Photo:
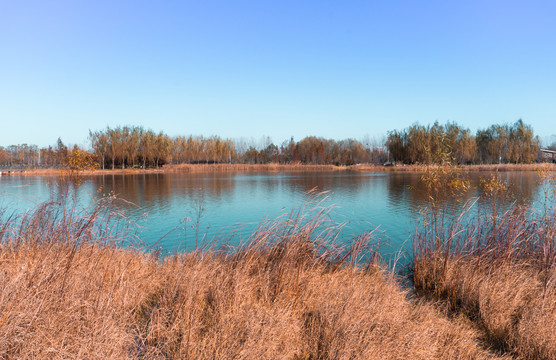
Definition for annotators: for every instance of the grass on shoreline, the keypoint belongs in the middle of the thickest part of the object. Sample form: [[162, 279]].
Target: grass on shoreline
[[68, 291], [219, 168], [497, 269]]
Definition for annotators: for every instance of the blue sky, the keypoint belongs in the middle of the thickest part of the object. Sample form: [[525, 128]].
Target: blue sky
[[335, 69]]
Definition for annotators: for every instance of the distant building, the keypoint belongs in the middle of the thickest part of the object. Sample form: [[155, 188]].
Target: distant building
[[547, 155]]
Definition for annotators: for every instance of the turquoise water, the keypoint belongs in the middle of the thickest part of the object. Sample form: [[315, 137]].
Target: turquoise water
[[164, 208]]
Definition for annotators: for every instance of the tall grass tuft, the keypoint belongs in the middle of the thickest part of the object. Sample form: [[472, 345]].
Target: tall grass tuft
[[67, 290], [498, 267]]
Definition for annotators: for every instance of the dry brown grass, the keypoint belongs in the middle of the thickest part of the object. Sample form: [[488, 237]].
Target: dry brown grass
[[273, 167], [509, 167], [67, 291], [66, 173], [188, 168], [510, 303], [463, 168], [500, 271]]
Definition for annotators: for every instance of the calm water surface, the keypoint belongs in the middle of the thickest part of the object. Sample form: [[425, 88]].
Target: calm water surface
[[167, 205]]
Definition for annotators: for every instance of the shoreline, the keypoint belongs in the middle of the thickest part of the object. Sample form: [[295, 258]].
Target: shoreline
[[219, 168]]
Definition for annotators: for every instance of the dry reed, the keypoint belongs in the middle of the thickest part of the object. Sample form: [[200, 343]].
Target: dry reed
[[274, 167], [271, 167], [67, 290], [459, 168], [498, 268]]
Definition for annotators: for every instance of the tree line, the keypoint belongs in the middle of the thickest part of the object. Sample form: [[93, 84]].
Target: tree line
[[52, 156], [417, 144], [134, 146]]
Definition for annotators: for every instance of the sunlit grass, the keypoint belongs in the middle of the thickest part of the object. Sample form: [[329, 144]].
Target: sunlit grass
[[69, 290], [498, 268]]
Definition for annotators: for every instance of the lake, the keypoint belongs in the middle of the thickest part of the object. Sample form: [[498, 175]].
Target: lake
[[166, 206]]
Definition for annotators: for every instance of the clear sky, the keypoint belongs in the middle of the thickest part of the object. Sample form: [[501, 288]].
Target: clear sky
[[284, 68]]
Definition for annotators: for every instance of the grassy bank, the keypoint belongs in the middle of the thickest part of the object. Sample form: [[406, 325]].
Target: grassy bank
[[272, 167], [220, 168], [68, 290], [498, 269], [461, 168], [65, 172], [184, 168]]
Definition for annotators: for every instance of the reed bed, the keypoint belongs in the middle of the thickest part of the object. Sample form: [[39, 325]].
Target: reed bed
[[509, 167], [271, 167], [461, 168], [187, 168], [274, 167], [62, 172], [498, 268], [68, 289]]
